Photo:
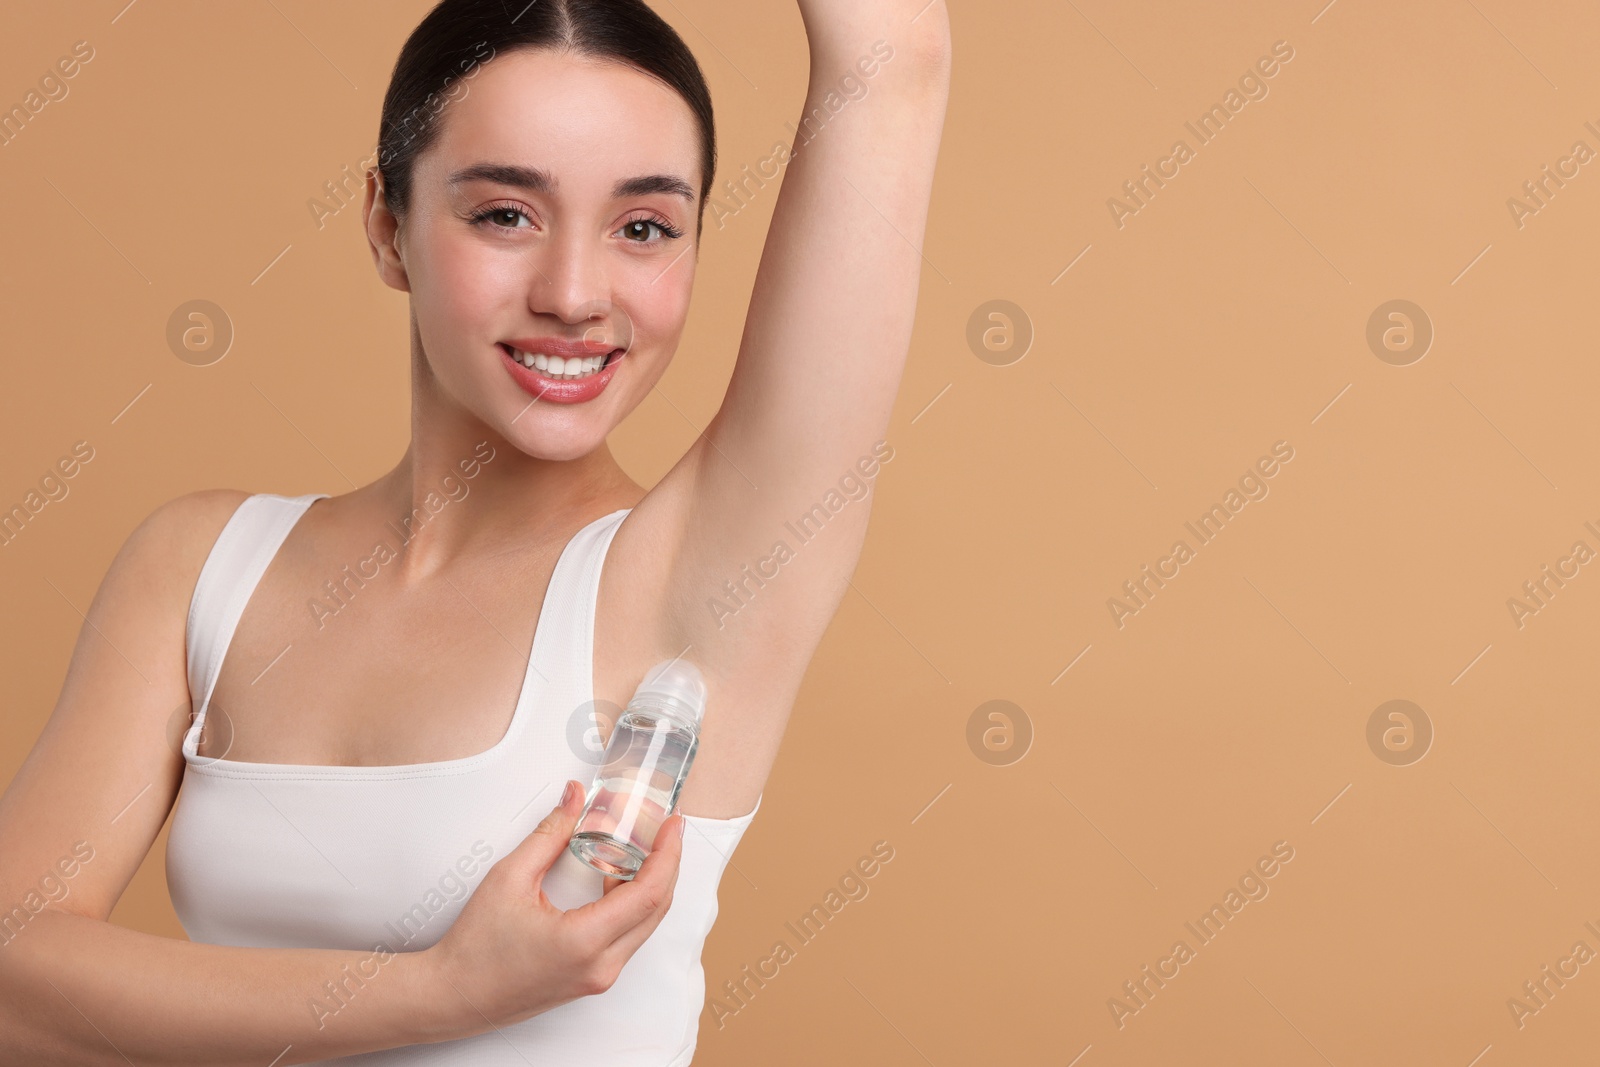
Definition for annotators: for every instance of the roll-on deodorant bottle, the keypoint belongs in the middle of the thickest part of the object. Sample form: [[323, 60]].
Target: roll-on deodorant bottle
[[642, 770]]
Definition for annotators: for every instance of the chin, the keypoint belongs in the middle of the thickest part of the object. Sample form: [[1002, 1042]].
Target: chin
[[549, 441]]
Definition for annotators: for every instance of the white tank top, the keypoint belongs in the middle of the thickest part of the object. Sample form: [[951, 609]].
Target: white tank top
[[289, 855]]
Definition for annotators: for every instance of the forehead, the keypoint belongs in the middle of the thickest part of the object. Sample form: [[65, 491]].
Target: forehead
[[571, 115]]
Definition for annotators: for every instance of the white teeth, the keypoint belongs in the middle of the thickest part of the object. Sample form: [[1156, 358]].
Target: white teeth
[[568, 369]]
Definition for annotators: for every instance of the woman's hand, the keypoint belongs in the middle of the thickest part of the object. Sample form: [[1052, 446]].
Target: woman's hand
[[512, 954]]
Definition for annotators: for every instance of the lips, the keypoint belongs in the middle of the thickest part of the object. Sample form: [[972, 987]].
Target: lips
[[560, 346], [555, 390]]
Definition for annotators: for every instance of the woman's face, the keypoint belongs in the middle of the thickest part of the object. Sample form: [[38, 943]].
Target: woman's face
[[543, 218]]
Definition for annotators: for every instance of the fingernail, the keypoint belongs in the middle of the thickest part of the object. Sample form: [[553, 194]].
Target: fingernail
[[682, 825], [566, 794]]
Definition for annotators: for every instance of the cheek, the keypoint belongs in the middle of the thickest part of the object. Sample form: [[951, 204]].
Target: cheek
[[659, 304], [461, 294], [458, 283]]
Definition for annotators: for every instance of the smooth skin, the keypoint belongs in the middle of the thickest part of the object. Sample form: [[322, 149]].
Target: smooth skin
[[824, 346]]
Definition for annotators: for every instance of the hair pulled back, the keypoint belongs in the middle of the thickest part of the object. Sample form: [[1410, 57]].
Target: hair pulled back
[[457, 36]]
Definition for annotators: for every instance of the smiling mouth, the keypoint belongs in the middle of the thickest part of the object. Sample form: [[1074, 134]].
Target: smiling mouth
[[570, 369]]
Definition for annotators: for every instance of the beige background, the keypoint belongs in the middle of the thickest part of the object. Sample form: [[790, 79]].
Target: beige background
[[1228, 314]]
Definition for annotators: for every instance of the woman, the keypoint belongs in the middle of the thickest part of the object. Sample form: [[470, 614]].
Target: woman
[[356, 857]]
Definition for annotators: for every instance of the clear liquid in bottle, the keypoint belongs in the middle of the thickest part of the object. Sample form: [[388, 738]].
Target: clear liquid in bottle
[[645, 764]]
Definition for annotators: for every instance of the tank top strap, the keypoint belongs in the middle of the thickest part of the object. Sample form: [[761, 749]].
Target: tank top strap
[[232, 570], [563, 643]]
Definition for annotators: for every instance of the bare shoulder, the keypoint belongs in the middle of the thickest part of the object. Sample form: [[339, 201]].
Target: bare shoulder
[[160, 560], [190, 522], [187, 526], [101, 778], [153, 575]]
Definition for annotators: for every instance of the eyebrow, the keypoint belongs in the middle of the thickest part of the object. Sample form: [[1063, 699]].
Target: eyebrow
[[538, 180]]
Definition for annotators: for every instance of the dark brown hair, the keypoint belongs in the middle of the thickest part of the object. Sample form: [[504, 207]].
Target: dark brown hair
[[458, 35]]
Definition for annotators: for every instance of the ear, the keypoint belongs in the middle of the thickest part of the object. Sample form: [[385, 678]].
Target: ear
[[383, 235]]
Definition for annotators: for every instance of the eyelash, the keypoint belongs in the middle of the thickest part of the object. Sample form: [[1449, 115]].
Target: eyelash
[[487, 212]]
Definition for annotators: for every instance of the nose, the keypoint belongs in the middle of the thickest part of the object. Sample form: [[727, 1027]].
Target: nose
[[570, 279]]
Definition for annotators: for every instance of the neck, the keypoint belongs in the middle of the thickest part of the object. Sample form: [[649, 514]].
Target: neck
[[462, 489]]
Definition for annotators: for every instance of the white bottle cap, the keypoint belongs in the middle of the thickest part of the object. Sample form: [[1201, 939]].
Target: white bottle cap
[[678, 684]]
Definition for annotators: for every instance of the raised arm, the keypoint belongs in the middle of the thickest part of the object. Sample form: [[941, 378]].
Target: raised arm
[[778, 504], [835, 297]]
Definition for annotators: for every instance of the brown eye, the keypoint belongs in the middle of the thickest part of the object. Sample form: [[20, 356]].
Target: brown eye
[[638, 230], [502, 216]]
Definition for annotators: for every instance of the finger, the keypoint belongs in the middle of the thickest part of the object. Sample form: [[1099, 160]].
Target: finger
[[635, 917], [652, 811], [609, 883], [656, 877]]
